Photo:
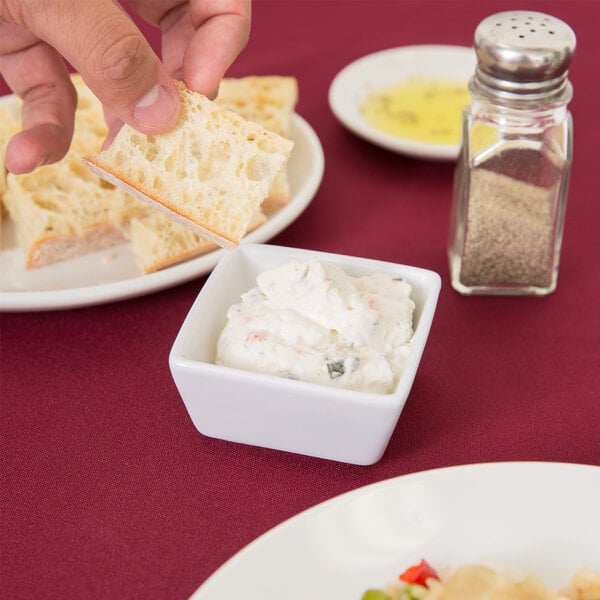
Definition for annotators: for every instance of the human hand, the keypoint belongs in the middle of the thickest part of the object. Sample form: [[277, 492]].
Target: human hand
[[200, 39]]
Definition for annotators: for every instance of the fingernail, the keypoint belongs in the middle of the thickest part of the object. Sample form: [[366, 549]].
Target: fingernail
[[156, 108]]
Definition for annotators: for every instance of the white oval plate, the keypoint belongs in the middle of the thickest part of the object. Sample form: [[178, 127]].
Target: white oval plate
[[541, 517], [112, 274], [369, 73]]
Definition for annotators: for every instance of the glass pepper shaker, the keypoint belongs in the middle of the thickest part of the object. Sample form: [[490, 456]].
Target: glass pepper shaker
[[511, 180]]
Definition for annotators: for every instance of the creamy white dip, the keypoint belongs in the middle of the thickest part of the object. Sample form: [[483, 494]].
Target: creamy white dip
[[311, 321]]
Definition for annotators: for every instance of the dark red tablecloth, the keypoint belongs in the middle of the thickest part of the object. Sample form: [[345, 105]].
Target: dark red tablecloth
[[107, 489]]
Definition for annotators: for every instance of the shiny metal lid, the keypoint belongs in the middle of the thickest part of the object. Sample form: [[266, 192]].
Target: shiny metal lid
[[523, 52]]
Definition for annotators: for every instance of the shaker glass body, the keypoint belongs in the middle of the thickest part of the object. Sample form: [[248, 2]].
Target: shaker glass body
[[510, 196], [513, 172]]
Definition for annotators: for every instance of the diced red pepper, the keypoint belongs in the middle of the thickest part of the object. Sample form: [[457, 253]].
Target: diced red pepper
[[419, 574]]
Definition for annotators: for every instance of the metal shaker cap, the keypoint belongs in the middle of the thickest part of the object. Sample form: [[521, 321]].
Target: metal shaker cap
[[523, 52]]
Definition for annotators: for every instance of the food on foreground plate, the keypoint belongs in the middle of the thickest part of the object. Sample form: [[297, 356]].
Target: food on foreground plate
[[211, 171], [64, 210], [313, 322], [482, 582]]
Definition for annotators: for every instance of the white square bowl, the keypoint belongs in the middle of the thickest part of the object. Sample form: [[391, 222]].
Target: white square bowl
[[279, 413]]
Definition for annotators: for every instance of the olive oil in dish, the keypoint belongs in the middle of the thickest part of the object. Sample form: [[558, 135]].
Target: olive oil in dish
[[419, 109]]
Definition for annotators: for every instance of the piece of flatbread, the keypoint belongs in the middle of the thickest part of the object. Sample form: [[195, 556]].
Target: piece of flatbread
[[211, 171]]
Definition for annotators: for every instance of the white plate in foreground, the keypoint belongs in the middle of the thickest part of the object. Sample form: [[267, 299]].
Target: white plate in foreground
[[541, 517], [360, 78], [112, 274]]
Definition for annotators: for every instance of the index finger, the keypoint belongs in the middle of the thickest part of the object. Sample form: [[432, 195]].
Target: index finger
[[202, 38], [223, 29], [112, 56]]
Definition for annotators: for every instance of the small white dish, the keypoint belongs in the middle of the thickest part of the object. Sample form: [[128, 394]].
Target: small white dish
[[275, 412], [362, 77], [537, 517], [111, 275]]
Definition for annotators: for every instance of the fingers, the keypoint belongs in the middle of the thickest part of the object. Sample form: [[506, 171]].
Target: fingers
[[178, 31], [201, 40], [37, 74], [112, 56], [223, 28]]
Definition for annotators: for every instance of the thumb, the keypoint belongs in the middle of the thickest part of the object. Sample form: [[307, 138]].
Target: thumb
[[114, 59]]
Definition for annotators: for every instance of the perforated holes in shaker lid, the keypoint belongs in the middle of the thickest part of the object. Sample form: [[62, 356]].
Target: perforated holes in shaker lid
[[523, 51]]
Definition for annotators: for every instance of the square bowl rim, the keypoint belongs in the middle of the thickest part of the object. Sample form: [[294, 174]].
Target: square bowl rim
[[430, 280]]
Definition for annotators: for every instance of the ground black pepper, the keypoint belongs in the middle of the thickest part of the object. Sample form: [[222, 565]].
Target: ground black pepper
[[509, 234]]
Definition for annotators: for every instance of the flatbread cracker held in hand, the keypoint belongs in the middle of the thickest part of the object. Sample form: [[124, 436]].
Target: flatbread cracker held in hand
[[211, 171]]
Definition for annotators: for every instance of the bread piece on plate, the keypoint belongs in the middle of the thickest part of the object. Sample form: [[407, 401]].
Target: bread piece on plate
[[9, 125], [61, 211], [211, 171], [90, 125], [128, 209], [266, 99], [269, 100], [157, 241]]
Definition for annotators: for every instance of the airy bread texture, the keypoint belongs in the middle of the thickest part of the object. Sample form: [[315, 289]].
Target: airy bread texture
[[269, 100], [60, 212], [63, 210], [211, 171], [157, 241], [9, 125]]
